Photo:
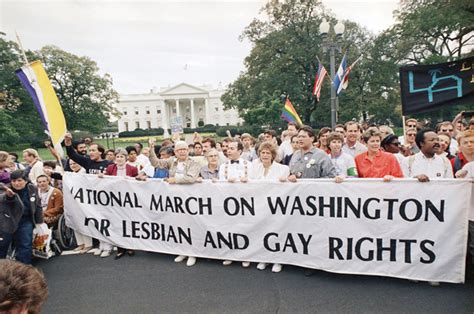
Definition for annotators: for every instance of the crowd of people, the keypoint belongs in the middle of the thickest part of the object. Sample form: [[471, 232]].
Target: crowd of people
[[352, 150]]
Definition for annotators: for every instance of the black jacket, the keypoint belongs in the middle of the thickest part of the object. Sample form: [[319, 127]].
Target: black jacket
[[35, 202], [11, 211]]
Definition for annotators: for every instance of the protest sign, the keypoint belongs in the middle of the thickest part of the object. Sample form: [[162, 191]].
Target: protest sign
[[431, 86], [403, 229]]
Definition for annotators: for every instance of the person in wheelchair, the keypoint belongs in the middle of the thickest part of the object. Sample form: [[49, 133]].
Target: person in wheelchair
[[51, 200]]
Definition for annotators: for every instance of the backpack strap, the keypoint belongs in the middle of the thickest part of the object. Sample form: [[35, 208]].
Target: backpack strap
[[457, 164], [411, 160]]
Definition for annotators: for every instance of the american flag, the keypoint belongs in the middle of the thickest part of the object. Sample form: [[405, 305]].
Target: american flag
[[318, 81]]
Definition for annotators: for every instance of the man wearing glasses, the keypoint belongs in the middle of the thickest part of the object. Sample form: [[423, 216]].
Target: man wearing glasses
[[410, 124], [447, 128]]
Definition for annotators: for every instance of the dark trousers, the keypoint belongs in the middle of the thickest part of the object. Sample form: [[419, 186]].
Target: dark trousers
[[22, 241], [471, 240]]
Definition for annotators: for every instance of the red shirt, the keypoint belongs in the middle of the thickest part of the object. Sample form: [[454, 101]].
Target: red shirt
[[131, 171], [383, 164], [462, 159]]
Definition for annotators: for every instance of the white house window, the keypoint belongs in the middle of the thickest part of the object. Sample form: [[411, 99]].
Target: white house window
[[137, 125], [148, 124], [158, 111]]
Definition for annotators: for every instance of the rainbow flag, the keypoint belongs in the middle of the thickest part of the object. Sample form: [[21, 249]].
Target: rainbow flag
[[35, 80], [289, 113]]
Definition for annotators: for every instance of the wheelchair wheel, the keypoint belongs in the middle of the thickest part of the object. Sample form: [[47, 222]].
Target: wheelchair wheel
[[66, 237]]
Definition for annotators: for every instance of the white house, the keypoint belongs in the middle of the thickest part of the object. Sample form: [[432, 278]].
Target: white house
[[192, 103]]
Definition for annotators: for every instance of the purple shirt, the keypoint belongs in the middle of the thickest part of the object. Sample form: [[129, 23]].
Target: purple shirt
[[5, 176]]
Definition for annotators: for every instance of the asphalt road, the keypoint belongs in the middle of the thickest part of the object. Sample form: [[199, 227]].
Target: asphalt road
[[153, 283]]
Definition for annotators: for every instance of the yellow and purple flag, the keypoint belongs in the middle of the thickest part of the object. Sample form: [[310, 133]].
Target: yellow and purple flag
[[34, 78], [289, 113]]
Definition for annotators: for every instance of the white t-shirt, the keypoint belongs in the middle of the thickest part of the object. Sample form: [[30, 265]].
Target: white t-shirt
[[345, 165], [436, 167]]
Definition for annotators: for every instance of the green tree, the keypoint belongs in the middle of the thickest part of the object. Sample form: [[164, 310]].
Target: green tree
[[284, 59], [8, 135], [432, 31], [19, 118], [85, 95]]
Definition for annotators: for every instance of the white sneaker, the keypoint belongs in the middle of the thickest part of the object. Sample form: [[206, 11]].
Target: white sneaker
[[245, 264], [98, 252], [85, 250], [276, 268], [226, 263], [191, 261], [79, 248], [434, 283], [105, 253], [179, 258], [261, 266], [92, 251]]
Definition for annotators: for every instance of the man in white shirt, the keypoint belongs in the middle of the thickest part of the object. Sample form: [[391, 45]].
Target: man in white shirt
[[233, 170], [286, 148], [34, 162], [426, 164], [352, 146]]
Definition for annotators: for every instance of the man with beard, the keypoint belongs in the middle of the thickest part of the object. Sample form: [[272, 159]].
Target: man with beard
[[426, 164], [80, 147], [95, 163]]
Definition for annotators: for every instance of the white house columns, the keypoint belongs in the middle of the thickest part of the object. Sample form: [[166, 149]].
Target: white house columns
[[197, 105], [192, 110], [193, 115], [177, 108]]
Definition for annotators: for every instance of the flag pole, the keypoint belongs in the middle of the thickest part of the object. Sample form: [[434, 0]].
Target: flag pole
[[404, 131], [23, 54]]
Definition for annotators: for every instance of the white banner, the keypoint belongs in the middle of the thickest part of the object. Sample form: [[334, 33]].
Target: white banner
[[400, 229]]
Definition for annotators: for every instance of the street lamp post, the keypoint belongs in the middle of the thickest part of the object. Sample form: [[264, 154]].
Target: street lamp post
[[332, 46]]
